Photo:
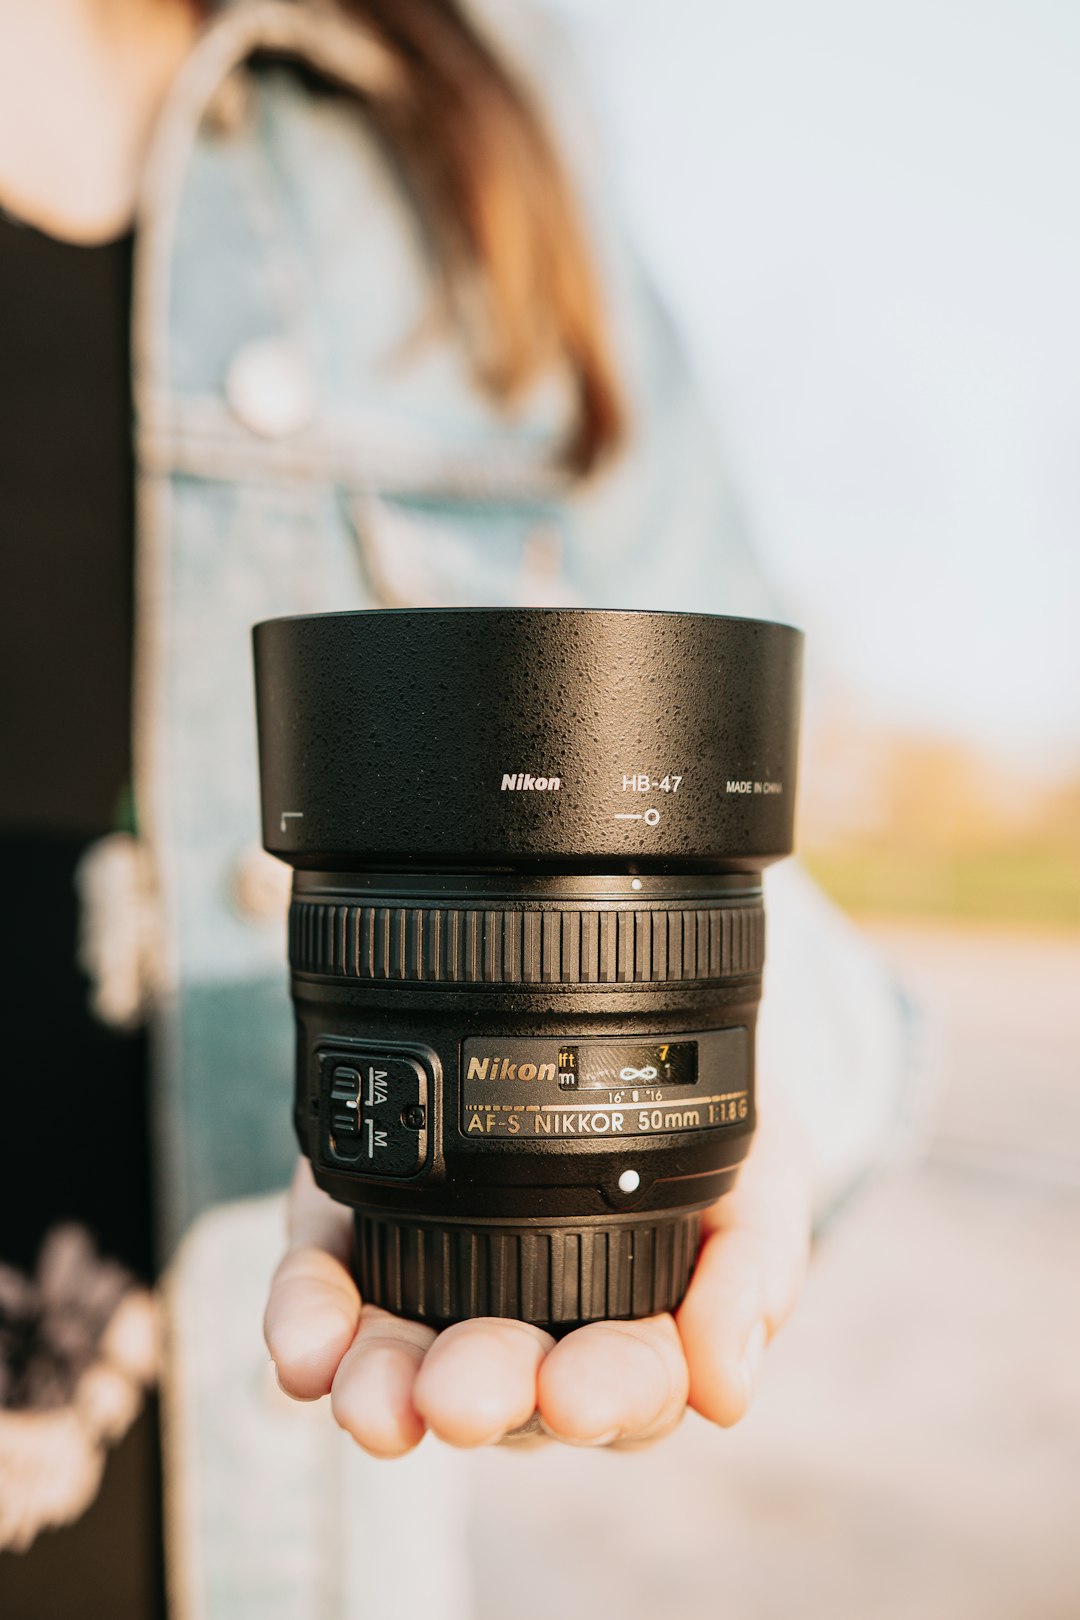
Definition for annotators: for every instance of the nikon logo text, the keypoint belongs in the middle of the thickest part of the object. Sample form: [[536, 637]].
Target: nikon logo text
[[518, 782], [500, 1068]]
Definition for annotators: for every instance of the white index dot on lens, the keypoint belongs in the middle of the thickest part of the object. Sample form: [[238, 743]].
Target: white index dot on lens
[[629, 1181], [635, 883]]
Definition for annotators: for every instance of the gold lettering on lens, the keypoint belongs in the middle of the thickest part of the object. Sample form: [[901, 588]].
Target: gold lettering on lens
[[501, 1068], [587, 1119]]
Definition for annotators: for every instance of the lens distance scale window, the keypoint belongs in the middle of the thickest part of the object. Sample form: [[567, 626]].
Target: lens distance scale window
[[536, 1089], [615, 1066]]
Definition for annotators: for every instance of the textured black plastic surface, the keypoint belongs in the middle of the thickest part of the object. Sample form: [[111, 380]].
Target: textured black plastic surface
[[387, 736], [557, 1277], [565, 945]]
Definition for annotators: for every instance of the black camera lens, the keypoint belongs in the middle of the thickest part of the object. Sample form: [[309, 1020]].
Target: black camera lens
[[526, 936]]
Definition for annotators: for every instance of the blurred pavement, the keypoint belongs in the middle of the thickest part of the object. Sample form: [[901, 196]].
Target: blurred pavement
[[914, 1453]]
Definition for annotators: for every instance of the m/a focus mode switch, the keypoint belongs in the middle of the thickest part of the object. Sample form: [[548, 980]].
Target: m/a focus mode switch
[[345, 1108], [375, 1112]]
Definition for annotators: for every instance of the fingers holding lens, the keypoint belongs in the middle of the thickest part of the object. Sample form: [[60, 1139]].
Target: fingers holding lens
[[310, 1320], [313, 1308], [479, 1380], [614, 1383], [747, 1278], [372, 1393]]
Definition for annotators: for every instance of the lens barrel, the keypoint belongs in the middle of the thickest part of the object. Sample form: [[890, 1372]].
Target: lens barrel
[[526, 936]]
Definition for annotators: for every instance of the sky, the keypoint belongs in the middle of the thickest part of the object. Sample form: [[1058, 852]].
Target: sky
[[866, 219]]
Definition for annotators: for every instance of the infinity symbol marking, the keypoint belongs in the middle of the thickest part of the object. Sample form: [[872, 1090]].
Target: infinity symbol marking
[[648, 1073]]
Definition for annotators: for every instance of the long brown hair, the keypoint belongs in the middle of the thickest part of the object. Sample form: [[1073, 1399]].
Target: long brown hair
[[515, 264]]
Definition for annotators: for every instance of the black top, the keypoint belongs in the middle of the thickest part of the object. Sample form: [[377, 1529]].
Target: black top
[[73, 1132], [65, 531], [74, 1096]]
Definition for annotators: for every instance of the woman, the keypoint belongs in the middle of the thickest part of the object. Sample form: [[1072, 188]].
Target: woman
[[384, 351]]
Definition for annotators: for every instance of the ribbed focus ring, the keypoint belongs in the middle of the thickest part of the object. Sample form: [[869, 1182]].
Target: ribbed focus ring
[[450, 945], [555, 1277]]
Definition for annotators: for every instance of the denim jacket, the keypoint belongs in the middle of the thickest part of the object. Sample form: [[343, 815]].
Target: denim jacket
[[308, 440], [303, 445]]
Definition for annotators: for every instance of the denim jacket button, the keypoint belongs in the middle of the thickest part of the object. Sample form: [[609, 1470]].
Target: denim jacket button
[[259, 886], [269, 388]]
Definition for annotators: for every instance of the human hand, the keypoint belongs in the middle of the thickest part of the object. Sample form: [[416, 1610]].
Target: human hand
[[608, 1383]]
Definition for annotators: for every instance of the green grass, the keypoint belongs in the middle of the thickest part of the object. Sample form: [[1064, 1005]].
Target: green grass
[[1006, 886]]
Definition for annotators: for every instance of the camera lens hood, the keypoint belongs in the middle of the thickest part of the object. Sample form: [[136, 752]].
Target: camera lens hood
[[528, 738]]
